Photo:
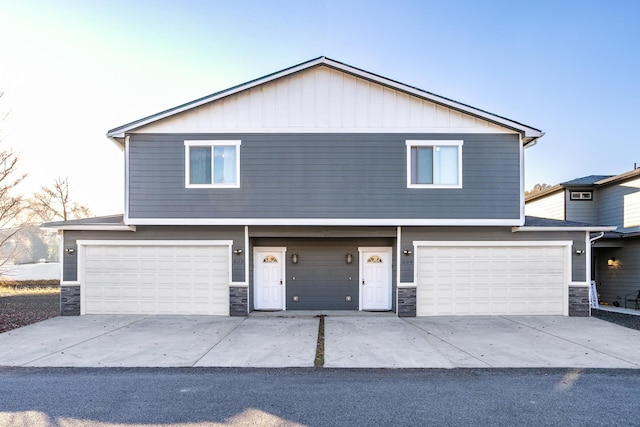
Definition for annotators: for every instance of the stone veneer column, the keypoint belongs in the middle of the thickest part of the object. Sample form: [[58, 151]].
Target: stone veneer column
[[406, 302], [70, 300], [238, 300], [579, 301]]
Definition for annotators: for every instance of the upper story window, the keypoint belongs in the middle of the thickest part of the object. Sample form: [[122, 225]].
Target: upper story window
[[212, 164], [582, 195], [434, 164]]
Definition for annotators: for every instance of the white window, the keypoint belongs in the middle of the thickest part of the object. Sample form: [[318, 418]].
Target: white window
[[434, 164], [581, 195], [212, 164]]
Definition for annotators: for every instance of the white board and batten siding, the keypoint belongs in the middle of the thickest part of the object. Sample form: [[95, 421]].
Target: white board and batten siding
[[551, 206], [155, 277], [492, 278], [322, 99]]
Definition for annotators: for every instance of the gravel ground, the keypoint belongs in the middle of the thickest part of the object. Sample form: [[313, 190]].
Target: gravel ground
[[622, 319], [23, 308]]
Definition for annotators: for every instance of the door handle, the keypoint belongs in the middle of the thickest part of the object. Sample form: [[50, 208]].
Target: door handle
[[281, 281], [363, 282]]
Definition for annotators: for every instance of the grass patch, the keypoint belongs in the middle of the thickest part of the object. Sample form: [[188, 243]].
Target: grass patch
[[319, 360]]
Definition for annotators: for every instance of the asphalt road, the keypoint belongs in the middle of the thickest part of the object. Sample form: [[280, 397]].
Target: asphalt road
[[318, 397]]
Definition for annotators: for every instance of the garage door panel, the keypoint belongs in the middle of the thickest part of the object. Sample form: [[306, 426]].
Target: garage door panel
[[163, 279], [479, 280]]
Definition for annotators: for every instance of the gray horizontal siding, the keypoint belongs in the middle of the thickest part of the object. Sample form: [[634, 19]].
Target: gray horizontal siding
[[411, 234], [70, 266], [324, 176], [322, 279], [582, 210], [614, 282]]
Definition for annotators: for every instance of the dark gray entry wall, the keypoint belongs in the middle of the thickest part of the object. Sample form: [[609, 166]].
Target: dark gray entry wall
[[322, 279]]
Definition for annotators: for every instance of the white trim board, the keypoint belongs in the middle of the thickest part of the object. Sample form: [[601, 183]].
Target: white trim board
[[480, 243], [514, 222]]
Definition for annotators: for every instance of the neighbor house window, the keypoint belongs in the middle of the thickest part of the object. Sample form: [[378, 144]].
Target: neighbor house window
[[434, 164], [581, 195], [212, 164]]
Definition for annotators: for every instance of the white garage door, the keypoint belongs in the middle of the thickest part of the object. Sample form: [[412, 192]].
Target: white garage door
[[156, 279], [492, 280]]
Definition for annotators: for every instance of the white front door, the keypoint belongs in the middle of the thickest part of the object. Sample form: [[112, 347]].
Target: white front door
[[375, 278], [269, 286]]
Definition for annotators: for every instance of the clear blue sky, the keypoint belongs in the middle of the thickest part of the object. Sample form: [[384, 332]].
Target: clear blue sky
[[71, 70]]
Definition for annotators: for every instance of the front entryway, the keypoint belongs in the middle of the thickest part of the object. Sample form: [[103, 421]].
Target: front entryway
[[269, 273], [375, 278]]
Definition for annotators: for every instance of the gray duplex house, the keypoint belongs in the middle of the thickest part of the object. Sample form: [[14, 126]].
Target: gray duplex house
[[324, 187]]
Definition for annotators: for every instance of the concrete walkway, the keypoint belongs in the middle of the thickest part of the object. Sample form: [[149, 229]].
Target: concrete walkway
[[351, 340]]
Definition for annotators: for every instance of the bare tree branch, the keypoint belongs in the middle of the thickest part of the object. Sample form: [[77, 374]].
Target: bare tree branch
[[55, 203]]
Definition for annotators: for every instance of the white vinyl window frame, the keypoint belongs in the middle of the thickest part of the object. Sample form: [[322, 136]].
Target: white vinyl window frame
[[211, 144], [434, 144]]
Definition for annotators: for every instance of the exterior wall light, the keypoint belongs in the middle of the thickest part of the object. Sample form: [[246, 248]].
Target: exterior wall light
[[70, 250], [612, 262], [294, 258], [579, 251], [349, 258], [238, 251], [407, 252]]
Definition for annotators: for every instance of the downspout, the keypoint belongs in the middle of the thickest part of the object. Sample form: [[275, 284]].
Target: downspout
[[590, 242]]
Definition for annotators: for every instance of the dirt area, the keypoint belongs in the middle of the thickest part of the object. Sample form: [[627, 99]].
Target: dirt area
[[21, 306]]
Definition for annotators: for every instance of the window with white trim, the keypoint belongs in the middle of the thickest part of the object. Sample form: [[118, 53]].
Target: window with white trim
[[581, 195], [434, 164], [212, 164]]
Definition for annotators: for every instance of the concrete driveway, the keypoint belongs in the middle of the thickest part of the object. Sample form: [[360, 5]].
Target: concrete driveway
[[351, 340]]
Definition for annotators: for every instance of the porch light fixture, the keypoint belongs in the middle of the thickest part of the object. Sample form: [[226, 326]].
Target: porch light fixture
[[407, 252], [70, 250], [349, 258], [579, 251], [611, 262], [294, 258], [238, 251]]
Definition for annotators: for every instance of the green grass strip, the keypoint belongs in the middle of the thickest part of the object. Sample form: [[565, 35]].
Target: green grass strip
[[319, 360]]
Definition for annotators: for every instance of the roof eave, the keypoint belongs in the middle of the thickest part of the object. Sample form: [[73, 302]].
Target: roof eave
[[564, 228]]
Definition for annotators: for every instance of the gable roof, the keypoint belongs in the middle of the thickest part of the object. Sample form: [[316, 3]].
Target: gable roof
[[529, 134]]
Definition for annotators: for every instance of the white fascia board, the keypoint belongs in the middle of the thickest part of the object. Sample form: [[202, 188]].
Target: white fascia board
[[147, 242], [222, 94], [483, 243], [97, 227], [325, 221], [566, 228], [527, 131]]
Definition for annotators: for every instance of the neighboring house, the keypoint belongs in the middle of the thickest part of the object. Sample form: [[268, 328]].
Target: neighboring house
[[602, 199], [324, 187]]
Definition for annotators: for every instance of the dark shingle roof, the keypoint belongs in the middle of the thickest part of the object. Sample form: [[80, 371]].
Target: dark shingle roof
[[587, 180], [534, 221]]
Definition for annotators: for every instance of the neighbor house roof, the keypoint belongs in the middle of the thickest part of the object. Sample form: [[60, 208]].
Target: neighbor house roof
[[529, 134], [110, 222], [533, 223], [587, 181]]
